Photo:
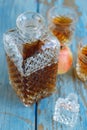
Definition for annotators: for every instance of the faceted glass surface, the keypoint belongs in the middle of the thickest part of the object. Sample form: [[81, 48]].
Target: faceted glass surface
[[67, 110]]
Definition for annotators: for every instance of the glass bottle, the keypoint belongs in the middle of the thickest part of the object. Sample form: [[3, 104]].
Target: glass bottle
[[61, 21], [32, 57], [81, 65]]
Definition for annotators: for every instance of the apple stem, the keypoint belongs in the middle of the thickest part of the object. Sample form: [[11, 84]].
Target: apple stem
[[62, 47]]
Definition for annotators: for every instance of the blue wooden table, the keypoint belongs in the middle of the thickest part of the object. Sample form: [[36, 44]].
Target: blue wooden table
[[13, 115]]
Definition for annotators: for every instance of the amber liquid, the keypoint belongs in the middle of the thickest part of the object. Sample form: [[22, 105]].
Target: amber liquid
[[82, 60], [37, 85], [61, 28]]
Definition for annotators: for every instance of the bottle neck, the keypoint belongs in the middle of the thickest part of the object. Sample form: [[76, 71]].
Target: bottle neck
[[31, 34]]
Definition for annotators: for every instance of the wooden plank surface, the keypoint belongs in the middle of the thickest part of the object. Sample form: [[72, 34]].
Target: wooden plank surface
[[68, 82], [13, 115]]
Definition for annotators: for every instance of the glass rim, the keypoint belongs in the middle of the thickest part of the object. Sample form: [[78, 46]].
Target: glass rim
[[63, 7]]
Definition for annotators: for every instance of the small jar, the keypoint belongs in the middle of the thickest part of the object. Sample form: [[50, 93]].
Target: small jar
[[32, 57], [61, 22], [81, 65]]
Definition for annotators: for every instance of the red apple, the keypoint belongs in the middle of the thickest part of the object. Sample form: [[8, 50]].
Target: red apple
[[65, 60]]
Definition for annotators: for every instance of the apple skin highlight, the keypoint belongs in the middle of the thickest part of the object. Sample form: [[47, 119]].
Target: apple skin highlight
[[65, 60]]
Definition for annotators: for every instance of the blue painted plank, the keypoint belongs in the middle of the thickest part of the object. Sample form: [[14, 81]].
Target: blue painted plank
[[68, 82], [13, 115]]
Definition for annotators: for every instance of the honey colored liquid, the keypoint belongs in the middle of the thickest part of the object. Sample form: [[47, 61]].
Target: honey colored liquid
[[82, 63], [62, 29], [37, 85]]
